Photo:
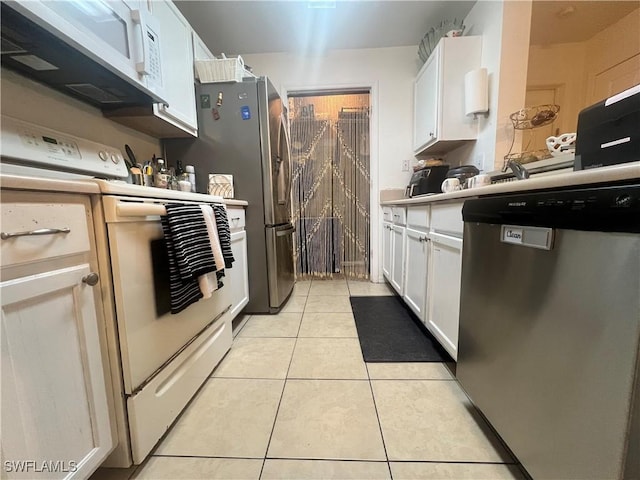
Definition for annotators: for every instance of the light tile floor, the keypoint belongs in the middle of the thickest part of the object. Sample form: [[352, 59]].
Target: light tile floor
[[293, 399]]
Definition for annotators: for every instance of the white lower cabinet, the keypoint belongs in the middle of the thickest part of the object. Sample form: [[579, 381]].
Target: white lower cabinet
[[397, 258], [415, 290], [423, 263], [445, 269], [55, 412], [386, 250], [238, 275]]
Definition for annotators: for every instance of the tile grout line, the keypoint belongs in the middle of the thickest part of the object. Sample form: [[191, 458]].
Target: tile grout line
[[284, 386], [375, 407]]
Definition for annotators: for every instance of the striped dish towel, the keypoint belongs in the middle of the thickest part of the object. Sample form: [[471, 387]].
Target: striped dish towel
[[224, 233], [210, 282], [188, 251]]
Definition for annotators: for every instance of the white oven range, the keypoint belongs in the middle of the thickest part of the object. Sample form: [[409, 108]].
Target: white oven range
[[157, 360]]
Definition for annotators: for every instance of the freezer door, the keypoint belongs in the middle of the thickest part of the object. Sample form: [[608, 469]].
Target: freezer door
[[280, 264], [276, 156]]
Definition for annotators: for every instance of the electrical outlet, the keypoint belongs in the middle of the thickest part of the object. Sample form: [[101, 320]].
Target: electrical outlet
[[478, 160], [405, 165]]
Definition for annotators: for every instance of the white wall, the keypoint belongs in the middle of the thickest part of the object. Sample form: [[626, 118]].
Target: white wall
[[33, 102], [560, 66], [616, 45], [504, 27], [390, 70], [390, 73], [574, 67]]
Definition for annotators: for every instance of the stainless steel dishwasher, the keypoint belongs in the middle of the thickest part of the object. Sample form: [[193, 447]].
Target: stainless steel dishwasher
[[550, 327]]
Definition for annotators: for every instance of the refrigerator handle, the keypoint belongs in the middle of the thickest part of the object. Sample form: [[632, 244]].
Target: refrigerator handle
[[286, 156], [287, 231], [283, 163]]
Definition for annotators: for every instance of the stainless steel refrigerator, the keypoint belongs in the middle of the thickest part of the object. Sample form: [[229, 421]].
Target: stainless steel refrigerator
[[243, 131]]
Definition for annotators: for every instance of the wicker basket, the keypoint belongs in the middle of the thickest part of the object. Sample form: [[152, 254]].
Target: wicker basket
[[221, 70]]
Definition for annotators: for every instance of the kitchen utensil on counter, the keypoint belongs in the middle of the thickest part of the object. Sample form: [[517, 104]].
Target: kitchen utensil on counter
[[463, 173], [451, 185], [191, 172], [132, 157], [184, 185], [135, 169], [479, 180], [565, 143]]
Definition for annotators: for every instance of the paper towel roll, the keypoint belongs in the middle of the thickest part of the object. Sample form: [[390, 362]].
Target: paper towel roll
[[476, 92]]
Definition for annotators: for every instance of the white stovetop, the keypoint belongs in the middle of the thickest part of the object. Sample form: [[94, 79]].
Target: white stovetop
[[94, 186], [625, 171]]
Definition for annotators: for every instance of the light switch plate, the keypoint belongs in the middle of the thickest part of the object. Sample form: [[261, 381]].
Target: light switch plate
[[405, 165]]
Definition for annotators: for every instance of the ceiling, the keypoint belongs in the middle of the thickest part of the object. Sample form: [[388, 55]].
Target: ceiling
[[559, 21], [244, 27]]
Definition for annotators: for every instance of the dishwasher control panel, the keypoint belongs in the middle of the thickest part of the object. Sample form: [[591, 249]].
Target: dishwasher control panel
[[609, 208]]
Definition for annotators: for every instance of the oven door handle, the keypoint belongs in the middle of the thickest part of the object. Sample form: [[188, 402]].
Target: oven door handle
[[125, 209], [140, 209]]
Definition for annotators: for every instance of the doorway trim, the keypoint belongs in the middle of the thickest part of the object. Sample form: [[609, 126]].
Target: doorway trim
[[375, 273]]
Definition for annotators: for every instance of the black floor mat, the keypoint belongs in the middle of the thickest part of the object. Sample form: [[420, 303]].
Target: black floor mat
[[389, 332]]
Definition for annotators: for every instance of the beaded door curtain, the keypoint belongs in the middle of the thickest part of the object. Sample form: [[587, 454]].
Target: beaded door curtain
[[330, 184]]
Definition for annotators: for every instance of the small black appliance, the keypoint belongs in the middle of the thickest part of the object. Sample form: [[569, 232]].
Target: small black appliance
[[427, 180]]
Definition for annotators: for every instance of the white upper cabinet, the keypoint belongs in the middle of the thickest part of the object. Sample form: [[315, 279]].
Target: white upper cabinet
[[177, 60], [200, 49], [439, 122]]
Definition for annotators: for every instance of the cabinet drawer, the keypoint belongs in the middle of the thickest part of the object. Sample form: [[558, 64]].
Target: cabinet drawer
[[236, 218], [418, 217], [399, 215], [18, 217], [387, 216], [447, 217]]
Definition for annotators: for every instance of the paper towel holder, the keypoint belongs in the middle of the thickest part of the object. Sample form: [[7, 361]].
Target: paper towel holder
[[476, 92]]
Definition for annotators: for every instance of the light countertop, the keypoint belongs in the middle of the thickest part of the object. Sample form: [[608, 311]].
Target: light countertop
[[17, 182], [94, 187], [616, 173]]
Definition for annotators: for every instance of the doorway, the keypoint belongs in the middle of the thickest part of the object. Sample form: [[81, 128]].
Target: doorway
[[330, 150]]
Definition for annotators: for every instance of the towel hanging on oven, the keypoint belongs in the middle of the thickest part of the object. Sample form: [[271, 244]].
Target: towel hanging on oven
[[212, 281], [224, 233], [189, 253]]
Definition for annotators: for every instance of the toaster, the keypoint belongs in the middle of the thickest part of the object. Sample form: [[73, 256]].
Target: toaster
[[427, 180]]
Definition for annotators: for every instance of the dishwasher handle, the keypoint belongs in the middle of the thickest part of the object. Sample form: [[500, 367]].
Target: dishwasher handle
[[525, 236]]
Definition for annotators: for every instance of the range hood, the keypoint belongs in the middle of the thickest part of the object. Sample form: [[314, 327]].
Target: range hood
[[39, 54]]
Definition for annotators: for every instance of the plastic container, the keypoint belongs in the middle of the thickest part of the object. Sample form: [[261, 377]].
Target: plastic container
[[220, 70], [192, 176], [161, 179]]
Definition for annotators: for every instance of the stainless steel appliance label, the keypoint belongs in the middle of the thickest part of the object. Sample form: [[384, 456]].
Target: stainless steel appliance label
[[534, 237]]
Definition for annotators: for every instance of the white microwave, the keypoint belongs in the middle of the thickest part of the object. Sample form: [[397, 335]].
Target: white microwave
[[115, 38]]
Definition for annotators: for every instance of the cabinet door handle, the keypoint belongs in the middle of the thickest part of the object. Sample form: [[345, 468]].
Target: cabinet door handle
[[431, 134], [40, 231], [91, 279]]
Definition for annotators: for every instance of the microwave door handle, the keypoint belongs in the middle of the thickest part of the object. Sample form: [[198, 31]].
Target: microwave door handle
[[143, 66]]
